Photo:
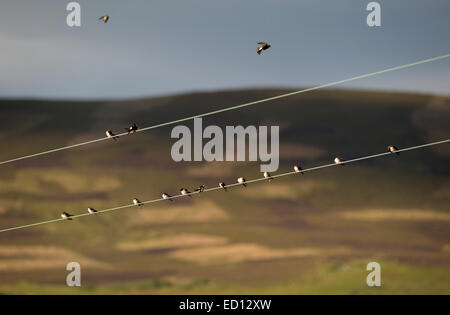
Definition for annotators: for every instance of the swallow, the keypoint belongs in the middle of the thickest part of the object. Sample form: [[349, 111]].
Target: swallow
[[92, 211], [338, 160], [222, 185], [137, 202], [263, 46], [132, 128], [201, 188], [267, 176], [111, 135], [298, 169], [184, 192], [241, 180], [104, 18], [66, 216], [393, 149], [166, 197]]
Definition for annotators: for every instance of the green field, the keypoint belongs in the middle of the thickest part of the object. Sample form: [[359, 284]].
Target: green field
[[296, 235]]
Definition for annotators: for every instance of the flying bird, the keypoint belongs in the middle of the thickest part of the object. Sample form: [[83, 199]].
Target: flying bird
[[166, 197], [184, 192], [393, 149], [132, 128], [66, 216], [201, 188], [298, 169], [111, 135], [92, 211], [222, 185], [267, 176], [263, 46], [104, 18], [338, 160], [241, 180], [137, 202]]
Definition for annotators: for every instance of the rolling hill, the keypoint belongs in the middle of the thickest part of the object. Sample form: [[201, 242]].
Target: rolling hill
[[302, 234]]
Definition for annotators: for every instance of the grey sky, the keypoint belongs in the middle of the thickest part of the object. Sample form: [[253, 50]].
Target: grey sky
[[160, 47]]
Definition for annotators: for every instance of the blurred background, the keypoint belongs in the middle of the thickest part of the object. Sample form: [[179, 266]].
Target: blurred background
[[156, 61]]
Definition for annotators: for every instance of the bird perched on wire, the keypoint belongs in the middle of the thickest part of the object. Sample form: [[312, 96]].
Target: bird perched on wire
[[104, 18], [263, 46], [66, 216], [298, 169], [267, 176], [166, 197], [241, 180], [222, 185], [92, 211], [185, 192], [338, 160], [133, 128], [137, 202], [200, 188], [393, 149], [111, 135]]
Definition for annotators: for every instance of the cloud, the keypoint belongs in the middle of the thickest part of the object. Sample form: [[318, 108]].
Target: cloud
[[153, 48]]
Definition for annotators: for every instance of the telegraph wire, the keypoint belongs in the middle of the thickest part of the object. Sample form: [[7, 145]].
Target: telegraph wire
[[231, 108], [367, 157]]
